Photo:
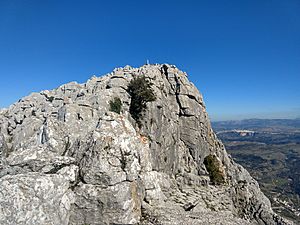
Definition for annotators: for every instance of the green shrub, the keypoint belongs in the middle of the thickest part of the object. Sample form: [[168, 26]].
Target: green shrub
[[141, 92], [115, 105], [213, 167]]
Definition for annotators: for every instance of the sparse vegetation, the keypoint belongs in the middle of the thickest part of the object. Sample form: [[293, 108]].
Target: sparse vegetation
[[115, 105], [141, 93], [213, 167]]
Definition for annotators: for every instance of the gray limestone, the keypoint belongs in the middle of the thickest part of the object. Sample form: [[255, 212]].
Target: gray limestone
[[65, 159]]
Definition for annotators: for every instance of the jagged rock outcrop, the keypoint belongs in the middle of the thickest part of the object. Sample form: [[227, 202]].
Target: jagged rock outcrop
[[67, 160]]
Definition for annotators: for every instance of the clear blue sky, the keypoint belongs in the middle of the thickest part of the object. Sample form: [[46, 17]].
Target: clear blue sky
[[244, 56]]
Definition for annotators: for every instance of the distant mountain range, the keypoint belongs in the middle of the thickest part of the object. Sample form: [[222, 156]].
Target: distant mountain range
[[257, 124]]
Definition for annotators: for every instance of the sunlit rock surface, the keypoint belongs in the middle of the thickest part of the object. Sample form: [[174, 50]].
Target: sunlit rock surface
[[67, 160]]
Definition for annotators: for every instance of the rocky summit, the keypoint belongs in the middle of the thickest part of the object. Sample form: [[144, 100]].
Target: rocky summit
[[69, 158]]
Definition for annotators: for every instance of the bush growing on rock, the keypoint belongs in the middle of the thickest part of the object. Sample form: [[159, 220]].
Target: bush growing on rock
[[115, 105], [213, 167], [141, 93]]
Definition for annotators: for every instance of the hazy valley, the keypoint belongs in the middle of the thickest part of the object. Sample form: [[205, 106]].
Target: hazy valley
[[270, 151]]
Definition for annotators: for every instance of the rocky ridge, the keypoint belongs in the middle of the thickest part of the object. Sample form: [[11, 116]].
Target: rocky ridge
[[67, 160]]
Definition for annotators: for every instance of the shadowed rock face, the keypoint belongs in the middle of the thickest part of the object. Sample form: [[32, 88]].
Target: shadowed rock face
[[67, 160]]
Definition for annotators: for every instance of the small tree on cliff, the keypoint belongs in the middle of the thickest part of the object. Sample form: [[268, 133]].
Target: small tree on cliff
[[115, 105], [213, 167], [141, 93]]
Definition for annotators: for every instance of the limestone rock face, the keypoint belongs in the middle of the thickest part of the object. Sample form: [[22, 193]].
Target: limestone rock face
[[65, 159]]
